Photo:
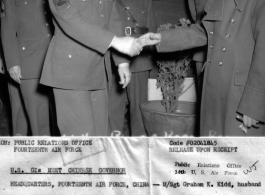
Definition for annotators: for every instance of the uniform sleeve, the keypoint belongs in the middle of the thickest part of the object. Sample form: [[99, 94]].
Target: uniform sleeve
[[67, 14], [8, 35], [252, 103], [116, 27], [182, 38]]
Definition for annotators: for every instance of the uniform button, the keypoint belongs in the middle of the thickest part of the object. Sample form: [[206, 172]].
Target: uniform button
[[26, 2], [102, 15], [47, 24], [128, 18], [45, 13], [48, 35], [227, 35], [209, 60], [142, 12], [23, 48], [211, 32], [220, 63], [69, 56], [100, 2], [211, 46], [232, 21], [223, 49]]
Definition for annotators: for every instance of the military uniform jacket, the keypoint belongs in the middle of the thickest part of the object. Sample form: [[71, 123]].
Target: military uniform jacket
[[234, 74], [84, 30], [26, 33], [197, 12], [143, 12]]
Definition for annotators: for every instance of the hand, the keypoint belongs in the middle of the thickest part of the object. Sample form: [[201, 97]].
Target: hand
[[125, 74], [2, 70], [247, 122], [150, 39], [127, 45], [15, 73]]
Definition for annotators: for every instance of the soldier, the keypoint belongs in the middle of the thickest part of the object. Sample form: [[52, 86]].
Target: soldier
[[233, 89], [77, 60], [26, 32], [138, 17]]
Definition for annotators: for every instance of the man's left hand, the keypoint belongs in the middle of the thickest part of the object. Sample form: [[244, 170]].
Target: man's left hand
[[249, 122], [125, 74]]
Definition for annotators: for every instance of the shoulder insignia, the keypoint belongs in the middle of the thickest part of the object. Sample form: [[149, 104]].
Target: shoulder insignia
[[62, 5], [3, 8]]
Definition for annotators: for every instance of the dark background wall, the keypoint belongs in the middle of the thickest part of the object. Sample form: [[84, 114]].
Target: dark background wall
[[170, 11]]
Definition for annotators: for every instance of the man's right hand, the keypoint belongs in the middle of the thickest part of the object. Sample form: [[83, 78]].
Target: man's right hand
[[127, 45], [150, 39], [15, 73]]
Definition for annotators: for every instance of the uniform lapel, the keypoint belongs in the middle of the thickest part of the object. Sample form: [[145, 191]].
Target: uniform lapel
[[239, 4], [214, 10]]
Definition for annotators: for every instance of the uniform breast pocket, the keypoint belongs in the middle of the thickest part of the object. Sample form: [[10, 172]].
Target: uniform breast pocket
[[20, 3], [241, 77], [70, 50]]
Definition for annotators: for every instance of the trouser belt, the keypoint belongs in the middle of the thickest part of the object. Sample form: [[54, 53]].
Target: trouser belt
[[136, 30]]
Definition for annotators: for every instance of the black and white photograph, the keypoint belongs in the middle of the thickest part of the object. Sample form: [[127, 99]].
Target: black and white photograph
[[83, 79]]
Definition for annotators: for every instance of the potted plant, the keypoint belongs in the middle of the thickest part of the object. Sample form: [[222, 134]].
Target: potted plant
[[171, 117]]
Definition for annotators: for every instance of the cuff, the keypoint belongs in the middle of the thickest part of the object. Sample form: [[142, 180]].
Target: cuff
[[123, 65]]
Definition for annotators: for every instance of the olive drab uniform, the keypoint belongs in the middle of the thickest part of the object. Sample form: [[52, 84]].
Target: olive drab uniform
[[234, 72], [76, 64], [26, 32], [136, 92]]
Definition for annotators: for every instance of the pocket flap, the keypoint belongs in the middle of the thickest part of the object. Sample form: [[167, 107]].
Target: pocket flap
[[241, 77], [25, 2]]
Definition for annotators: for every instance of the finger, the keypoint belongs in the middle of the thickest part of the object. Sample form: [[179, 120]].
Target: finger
[[145, 36], [17, 79], [127, 80], [249, 124], [153, 36], [255, 123], [142, 42], [122, 80], [245, 121], [11, 75], [137, 46], [240, 118]]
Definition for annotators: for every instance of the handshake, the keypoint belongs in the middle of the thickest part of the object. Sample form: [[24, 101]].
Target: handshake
[[133, 46]]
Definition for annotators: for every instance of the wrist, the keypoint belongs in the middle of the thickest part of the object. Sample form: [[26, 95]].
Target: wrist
[[114, 41], [123, 65]]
